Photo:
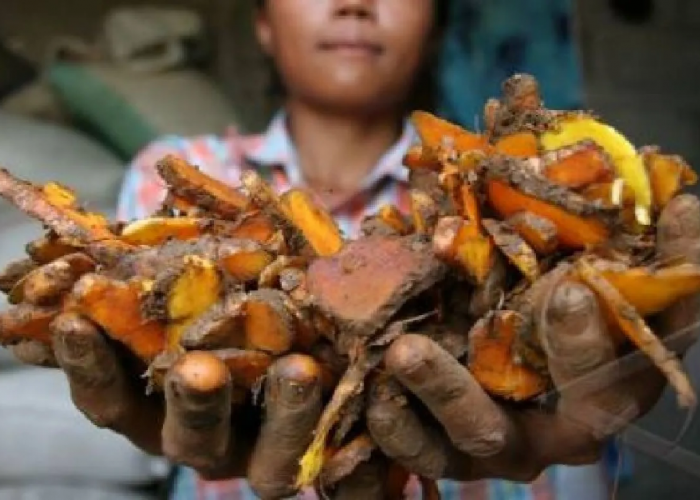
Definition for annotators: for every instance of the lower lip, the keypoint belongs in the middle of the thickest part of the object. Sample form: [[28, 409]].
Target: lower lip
[[353, 50]]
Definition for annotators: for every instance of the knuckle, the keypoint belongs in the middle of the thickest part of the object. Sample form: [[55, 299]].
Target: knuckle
[[264, 488]]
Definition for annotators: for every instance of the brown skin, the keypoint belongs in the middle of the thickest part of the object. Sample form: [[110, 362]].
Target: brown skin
[[348, 66], [517, 445]]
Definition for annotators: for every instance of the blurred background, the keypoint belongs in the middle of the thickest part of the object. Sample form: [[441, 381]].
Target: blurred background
[[84, 84]]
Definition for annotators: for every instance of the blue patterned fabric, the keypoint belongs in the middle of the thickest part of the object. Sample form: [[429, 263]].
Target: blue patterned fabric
[[489, 40]]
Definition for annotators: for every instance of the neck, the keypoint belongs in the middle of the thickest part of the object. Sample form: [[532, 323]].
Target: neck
[[335, 153]]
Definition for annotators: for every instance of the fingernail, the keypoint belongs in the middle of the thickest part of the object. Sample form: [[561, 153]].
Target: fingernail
[[682, 219], [77, 349], [294, 391], [571, 304]]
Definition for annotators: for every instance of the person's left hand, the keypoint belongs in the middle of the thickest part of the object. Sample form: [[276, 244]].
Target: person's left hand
[[469, 435]]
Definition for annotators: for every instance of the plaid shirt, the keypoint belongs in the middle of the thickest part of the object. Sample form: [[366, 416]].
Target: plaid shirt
[[223, 157]]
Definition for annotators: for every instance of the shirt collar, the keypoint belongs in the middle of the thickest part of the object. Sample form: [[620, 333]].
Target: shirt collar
[[277, 150]]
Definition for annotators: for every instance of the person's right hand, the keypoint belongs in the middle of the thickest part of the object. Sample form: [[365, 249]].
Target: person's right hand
[[196, 423]]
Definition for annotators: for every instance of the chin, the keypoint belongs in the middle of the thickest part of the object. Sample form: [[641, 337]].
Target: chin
[[358, 97]]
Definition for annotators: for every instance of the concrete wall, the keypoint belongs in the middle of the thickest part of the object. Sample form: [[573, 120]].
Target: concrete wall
[[645, 77]]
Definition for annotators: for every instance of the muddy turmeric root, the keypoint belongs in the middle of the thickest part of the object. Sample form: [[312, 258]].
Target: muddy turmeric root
[[494, 361], [116, 307], [578, 166], [651, 290], [668, 175], [27, 322], [48, 248], [14, 272], [47, 284], [434, 132], [315, 223], [187, 182], [269, 326], [540, 233], [637, 331], [514, 248]]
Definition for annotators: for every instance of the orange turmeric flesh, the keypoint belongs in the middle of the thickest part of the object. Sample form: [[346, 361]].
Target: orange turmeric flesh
[[578, 166], [187, 182], [156, 230], [651, 291], [521, 144], [245, 260], [573, 231], [116, 307], [269, 326], [246, 367], [514, 248], [391, 216], [668, 174], [632, 325], [315, 223], [494, 362], [419, 156], [74, 224], [27, 322], [540, 233], [434, 132]]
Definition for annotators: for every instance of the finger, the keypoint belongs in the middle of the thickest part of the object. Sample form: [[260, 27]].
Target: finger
[[582, 359], [32, 352], [367, 482], [197, 428], [678, 235], [292, 408], [401, 435], [99, 386], [473, 422], [573, 334]]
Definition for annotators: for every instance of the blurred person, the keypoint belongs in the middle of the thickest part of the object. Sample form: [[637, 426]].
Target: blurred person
[[350, 71]]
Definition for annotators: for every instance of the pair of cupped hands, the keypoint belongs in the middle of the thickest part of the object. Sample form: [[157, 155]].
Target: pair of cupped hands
[[466, 435]]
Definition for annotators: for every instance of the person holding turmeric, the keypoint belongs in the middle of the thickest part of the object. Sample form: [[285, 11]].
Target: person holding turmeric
[[351, 70]]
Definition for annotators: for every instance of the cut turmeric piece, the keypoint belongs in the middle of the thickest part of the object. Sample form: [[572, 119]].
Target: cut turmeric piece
[[493, 361], [521, 144], [155, 230], [255, 226], [14, 272], [393, 217], [573, 231], [514, 248], [420, 156], [315, 223], [344, 461], [445, 237], [27, 322], [572, 128], [614, 193], [650, 290], [245, 260], [269, 326], [632, 325], [474, 252], [668, 174], [47, 284], [271, 276], [220, 326], [247, 367], [48, 248], [578, 166], [259, 190], [196, 288], [187, 182], [116, 307], [59, 195], [434, 132], [424, 212], [75, 225], [540, 233]]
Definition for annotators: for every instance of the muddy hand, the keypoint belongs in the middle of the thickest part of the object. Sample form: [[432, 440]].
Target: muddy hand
[[470, 436]]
